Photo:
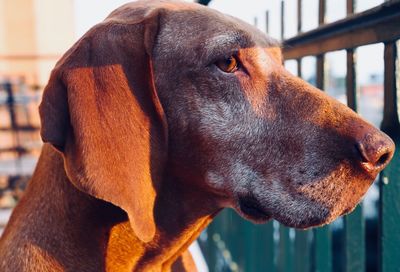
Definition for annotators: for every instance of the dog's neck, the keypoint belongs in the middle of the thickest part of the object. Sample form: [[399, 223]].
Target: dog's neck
[[69, 229]]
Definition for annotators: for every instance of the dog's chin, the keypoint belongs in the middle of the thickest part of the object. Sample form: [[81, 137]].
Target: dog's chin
[[249, 208], [306, 224], [316, 218]]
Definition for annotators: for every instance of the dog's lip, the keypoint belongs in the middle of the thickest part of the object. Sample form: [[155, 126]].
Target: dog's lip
[[347, 210], [250, 208]]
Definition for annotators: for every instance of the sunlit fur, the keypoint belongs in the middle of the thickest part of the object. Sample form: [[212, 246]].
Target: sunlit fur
[[147, 140]]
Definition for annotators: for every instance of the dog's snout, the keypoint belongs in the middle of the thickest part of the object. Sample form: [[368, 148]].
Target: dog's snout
[[375, 151]]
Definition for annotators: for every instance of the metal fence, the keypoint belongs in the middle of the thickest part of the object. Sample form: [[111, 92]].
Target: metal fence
[[355, 242], [19, 137]]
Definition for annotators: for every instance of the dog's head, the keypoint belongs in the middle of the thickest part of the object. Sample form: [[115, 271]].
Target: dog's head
[[181, 87]]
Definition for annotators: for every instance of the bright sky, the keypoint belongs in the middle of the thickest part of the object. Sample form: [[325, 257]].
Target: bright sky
[[90, 12], [370, 59]]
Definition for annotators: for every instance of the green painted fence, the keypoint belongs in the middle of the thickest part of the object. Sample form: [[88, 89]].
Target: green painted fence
[[353, 243]]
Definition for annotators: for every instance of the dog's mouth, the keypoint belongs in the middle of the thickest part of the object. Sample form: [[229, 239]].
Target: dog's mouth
[[252, 210]]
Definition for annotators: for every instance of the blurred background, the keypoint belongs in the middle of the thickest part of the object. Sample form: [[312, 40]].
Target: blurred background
[[348, 48]]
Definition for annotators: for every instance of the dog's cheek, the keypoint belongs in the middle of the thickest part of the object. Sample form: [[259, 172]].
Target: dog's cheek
[[218, 182], [232, 177]]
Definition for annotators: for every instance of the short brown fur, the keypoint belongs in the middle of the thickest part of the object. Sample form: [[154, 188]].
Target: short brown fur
[[146, 140]]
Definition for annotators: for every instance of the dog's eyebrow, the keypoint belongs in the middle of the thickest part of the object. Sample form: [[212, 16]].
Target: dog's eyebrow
[[223, 43], [224, 39]]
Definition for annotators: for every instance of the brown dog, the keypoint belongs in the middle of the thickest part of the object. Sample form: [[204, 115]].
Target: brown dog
[[161, 116]]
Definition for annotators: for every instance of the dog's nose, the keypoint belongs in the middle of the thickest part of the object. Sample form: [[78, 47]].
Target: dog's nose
[[375, 150]]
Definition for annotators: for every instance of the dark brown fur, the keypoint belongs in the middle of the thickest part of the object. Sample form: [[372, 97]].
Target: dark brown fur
[[146, 140]]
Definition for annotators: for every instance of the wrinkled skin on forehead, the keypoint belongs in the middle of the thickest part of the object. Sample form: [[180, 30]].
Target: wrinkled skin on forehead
[[263, 141]]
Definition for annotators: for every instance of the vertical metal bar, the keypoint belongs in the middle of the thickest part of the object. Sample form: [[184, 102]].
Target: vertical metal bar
[[239, 245], [322, 241], [389, 254], [321, 12], [320, 72], [302, 249], [269, 257], [323, 249], [250, 245], [11, 105], [390, 113], [299, 17], [302, 246], [285, 254], [233, 237], [11, 109], [299, 67], [350, 7], [267, 22], [282, 20], [354, 225], [211, 247], [259, 248], [351, 80], [354, 237]]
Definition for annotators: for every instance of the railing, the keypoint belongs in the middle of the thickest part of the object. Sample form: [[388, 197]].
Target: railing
[[19, 138], [232, 244]]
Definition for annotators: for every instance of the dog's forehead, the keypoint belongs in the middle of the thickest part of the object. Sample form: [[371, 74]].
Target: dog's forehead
[[205, 34], [191, 24], [207, 26]]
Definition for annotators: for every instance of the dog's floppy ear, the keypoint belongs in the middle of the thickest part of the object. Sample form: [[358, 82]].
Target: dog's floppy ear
[[101, 110]]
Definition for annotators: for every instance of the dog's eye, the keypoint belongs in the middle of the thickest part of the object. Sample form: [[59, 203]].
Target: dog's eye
[[228, 65]]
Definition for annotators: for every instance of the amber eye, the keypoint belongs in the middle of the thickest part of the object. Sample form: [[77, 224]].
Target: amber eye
[[228, 65]]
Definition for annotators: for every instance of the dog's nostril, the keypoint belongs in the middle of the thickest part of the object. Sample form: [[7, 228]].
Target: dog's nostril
[[375, 150], [383, 159]]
